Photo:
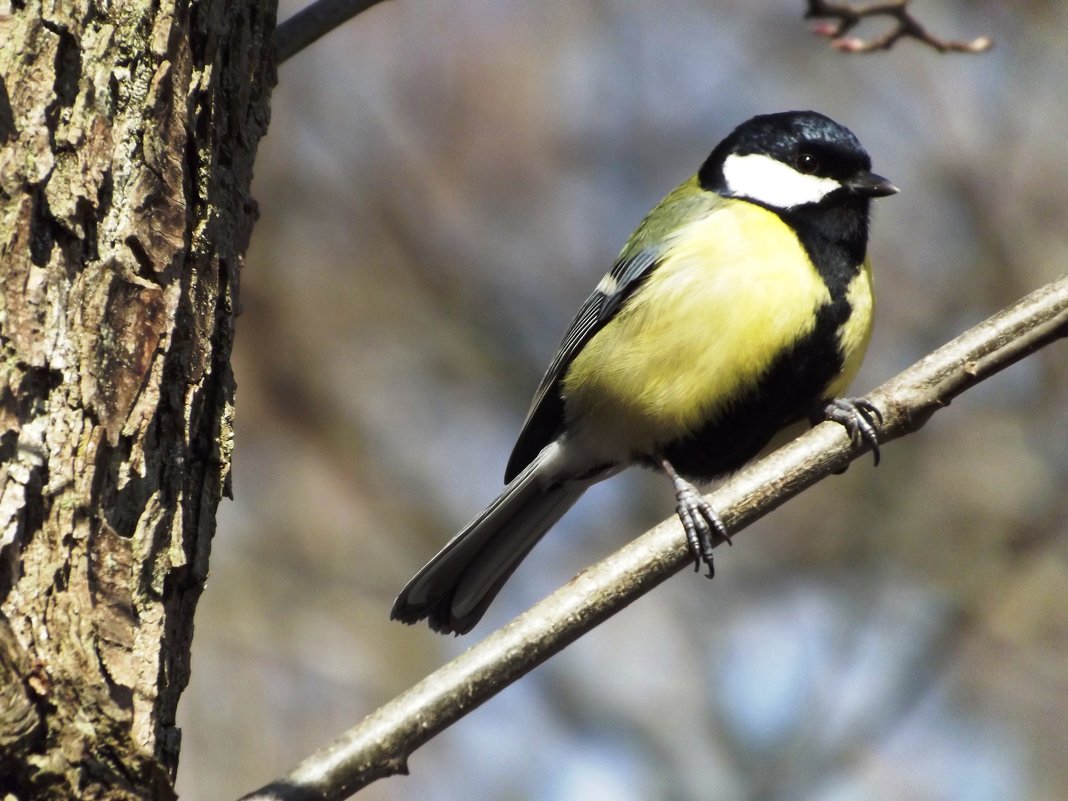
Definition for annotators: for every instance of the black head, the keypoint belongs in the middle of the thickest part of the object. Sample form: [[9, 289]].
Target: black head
[[793, 159]]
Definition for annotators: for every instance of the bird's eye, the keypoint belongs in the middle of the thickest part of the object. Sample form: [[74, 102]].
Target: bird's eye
[[806, 163]]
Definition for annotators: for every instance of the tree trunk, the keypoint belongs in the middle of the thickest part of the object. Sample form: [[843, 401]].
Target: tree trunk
[[127, 137]]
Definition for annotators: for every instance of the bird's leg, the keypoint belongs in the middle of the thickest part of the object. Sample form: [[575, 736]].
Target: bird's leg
[[699, 520], [859, 416]]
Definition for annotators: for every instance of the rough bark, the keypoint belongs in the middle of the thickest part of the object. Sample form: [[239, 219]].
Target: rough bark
[[127, 137]]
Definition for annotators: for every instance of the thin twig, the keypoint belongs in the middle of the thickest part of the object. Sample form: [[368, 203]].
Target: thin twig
[[381, 744], [846, 17], [313, 22]]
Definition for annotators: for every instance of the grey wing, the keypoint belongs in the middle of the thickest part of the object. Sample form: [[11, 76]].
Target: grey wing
[[546, 416]]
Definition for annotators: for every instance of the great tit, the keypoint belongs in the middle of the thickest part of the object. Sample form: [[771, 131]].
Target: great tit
[[741, 304]]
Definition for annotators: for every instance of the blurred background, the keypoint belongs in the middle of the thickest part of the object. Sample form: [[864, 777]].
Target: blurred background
[[441, 187]]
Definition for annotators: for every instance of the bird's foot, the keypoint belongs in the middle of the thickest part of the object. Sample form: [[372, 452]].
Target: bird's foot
[[699, 520], [859, 417], [701, 524]]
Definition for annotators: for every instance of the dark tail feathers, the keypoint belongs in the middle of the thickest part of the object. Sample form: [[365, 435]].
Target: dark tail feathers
[[454, 589]]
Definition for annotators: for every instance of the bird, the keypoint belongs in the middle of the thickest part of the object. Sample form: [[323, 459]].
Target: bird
[[740, 305]]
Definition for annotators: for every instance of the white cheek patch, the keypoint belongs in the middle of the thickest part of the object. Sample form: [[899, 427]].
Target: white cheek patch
[[765, 180]]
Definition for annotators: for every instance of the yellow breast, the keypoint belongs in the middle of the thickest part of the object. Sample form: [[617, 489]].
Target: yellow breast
[[734, 289]]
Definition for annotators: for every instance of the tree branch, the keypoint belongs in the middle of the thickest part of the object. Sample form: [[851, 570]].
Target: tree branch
[[380, 745], [847, 17], [322, 16], [314, 22]]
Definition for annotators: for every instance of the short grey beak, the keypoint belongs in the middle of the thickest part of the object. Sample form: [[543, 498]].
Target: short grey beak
[[868, 184]]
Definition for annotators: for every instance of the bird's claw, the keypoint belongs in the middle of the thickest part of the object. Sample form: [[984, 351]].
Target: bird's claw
[[859, 417], [701, 524]]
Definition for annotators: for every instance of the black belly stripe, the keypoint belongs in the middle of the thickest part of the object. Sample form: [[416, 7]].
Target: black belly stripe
[[787, 393]]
